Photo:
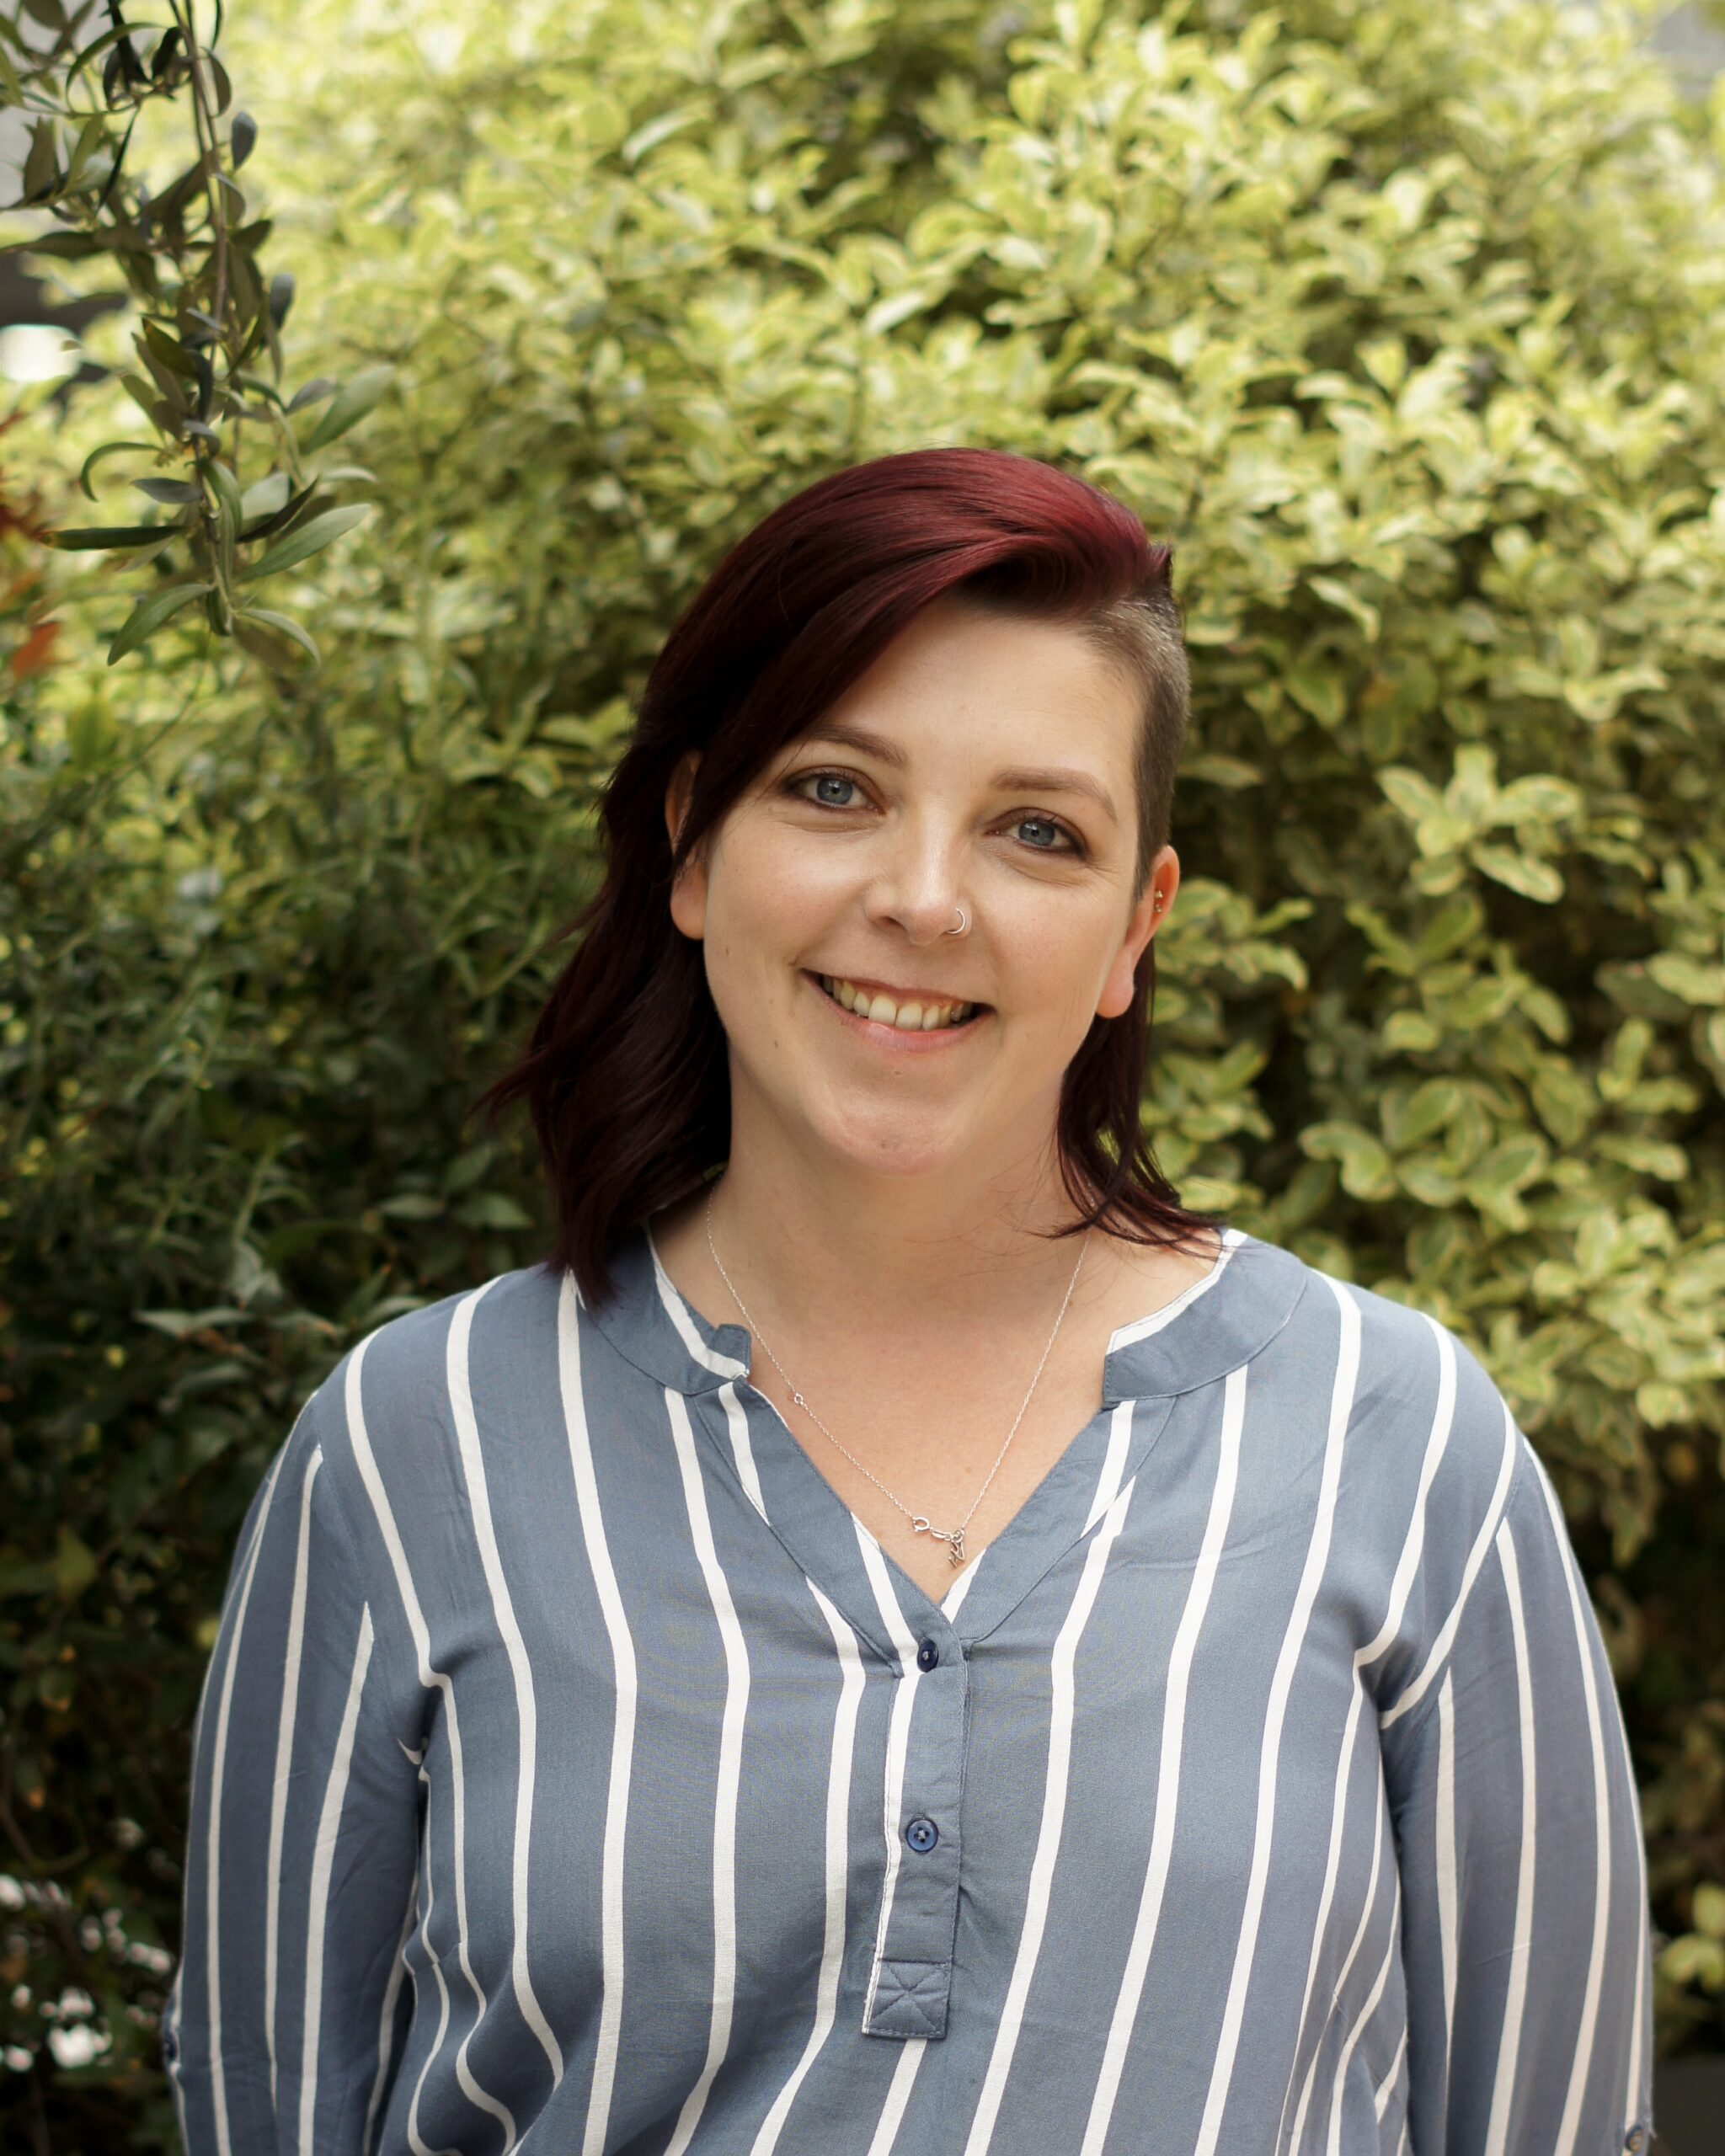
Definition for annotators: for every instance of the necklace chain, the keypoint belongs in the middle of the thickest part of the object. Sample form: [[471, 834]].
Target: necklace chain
[[954, 1537]]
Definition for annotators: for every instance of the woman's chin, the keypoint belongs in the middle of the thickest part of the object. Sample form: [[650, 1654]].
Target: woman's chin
[[885, 1140], [895, 1161]]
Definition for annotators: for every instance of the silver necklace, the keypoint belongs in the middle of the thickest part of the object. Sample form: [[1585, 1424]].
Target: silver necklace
[[954, 1537]]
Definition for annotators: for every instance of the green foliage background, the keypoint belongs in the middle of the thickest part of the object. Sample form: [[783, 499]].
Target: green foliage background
[[1404, 324]]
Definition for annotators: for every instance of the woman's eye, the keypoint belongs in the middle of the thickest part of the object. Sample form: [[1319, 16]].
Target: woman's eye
[[828, 787], [1056, 831]]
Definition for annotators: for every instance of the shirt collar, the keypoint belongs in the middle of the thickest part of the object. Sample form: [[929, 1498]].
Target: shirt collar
[[1221, 1321]]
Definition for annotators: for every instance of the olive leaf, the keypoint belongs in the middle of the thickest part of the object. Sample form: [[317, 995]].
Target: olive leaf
[[324, 385], [350, 405], [307, 539], [107, 449], [283, 626], [149, 614], [77, 538]]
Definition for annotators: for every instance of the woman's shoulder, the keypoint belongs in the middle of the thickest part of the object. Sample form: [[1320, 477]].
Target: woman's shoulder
[[1422, 1452], [1416, 1392], [401, 1389]]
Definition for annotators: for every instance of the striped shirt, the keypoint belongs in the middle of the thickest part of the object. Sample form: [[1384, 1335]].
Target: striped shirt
[[575, 1773]]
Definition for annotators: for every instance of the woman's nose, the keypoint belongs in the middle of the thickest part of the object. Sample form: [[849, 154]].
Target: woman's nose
[[918, 890]]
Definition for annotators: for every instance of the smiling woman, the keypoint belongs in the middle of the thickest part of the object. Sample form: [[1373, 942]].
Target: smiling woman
[[1196, 1736]]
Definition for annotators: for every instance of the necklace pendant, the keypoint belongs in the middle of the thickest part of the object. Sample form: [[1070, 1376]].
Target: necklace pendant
[[953, 1538]]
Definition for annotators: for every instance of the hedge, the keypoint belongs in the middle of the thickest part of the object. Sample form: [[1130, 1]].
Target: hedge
[[1405, 324]]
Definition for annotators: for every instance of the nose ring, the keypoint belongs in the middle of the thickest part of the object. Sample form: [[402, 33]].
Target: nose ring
[[963, 923]]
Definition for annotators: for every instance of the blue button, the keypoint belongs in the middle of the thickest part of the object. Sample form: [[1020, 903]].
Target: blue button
[[922, 1835], [928, 1656]]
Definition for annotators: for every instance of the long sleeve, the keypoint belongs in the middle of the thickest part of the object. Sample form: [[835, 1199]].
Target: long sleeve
[[1525, 1940], [303, 1847]]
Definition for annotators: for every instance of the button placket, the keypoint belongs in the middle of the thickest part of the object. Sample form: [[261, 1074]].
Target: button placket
[[911, 1986]]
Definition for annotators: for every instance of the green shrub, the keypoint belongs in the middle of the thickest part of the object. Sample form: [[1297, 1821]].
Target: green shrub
[[1406, 325]]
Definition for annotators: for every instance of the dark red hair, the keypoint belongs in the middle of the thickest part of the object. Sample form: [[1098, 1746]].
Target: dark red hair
[[626, 1075]]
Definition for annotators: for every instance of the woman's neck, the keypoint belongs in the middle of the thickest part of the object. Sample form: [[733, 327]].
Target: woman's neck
[[899, 1256]]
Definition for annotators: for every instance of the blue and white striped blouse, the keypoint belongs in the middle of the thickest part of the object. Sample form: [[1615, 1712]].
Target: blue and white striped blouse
[[575, 1774]]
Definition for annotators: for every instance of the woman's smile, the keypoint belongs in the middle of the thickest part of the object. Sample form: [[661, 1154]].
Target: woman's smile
[[922, 1039]]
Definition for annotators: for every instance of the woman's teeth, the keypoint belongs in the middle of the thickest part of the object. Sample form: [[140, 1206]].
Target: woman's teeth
[[909, 1017]]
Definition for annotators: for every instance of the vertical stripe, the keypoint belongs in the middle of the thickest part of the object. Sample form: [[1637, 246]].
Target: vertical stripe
[[1633, 2111], [431, 1679], [1062, 1704], [838, 1818], [322, 1863], [897, 1743], [1401, 1586], [1521, 1941], [622, 1735], [1437, 1444], [1445, 1867], [898, 2095], [212, 1853], [416, 2141], [1168, 1790], [284, 1757], [1569, 2124], [1342, 1391], [955, 1598], [736, 1422], [1113, 1465], [1380, 2101], [683, 1319], [1364, 2014], [386, 2019], [1347, 1970], [1475, 1557], [467, 1430], [730, 1770]]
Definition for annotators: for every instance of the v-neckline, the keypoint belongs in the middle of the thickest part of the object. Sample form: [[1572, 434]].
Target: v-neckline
[[1197, 1337], [816, 1521]]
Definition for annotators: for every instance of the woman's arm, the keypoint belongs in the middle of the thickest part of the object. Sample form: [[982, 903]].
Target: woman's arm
[[302, 1848], [1524, 1936]]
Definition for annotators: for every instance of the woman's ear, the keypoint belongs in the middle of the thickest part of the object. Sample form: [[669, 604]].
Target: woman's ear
[[688, 895], [1155, 904]]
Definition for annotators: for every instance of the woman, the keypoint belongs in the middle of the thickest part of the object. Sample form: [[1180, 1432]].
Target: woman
[[1089, 1682]]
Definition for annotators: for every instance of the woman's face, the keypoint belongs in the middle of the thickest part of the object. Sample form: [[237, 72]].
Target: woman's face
[[982, 761]]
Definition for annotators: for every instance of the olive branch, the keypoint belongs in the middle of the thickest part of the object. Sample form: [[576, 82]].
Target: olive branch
[[209, 325]]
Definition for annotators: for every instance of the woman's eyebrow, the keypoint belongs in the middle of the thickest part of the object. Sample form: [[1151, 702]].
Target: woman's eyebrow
[[1035, 778]]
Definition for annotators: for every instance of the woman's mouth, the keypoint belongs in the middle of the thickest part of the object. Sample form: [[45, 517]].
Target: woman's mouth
[[905, 1013]]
